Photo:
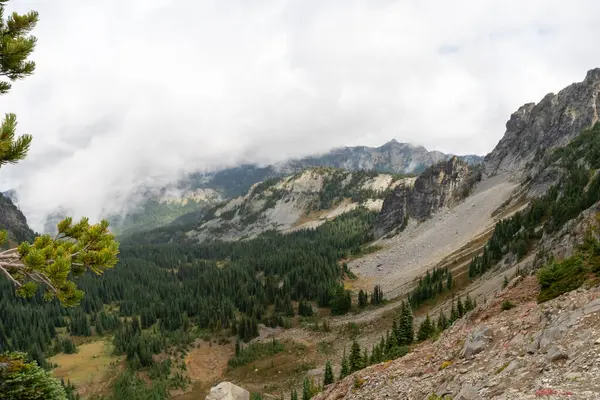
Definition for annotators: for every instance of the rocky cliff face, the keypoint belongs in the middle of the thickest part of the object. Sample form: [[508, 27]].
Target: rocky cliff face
[[534, 129], [441, 185], [13, 220]]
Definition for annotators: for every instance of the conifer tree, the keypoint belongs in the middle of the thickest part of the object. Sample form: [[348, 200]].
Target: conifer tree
[[442, 322], [356, 361], [49, 261], [453, 312], [328, 379], [459, 307], [426, 329], [16, 45], [21, 380], [396, 336], [345, 367], [377, 295], [306, 390], [237, 347], [362, 298], [405, 329], [449, 282], [99, 327], [468, 303]]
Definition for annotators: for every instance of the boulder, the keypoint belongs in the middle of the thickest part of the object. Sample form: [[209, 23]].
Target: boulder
[[467, 392], [556, 353], [477, 342], [228, 391]]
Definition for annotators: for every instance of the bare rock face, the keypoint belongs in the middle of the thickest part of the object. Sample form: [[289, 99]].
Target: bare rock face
[[228, 391], [441, 185], [13, 220], [534, 129]]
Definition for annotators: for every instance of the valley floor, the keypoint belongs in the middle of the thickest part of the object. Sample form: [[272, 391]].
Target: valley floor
[[450, 238]]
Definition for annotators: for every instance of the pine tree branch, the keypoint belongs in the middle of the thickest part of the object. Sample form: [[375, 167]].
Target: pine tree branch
[[42, 279], [13, 250], [9, 276]]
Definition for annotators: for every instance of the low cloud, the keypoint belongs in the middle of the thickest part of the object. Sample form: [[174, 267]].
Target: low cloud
[[139, 91]]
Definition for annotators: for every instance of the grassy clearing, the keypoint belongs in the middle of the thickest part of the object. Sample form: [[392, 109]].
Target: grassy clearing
[[91, 370], [276, 374]]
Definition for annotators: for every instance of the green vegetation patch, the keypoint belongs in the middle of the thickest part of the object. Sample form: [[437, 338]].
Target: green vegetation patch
[[255, 351]]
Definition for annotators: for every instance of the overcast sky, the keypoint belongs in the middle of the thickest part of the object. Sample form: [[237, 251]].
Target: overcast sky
[[127, 90]]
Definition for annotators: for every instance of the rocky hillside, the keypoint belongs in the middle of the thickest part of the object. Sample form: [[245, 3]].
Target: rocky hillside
[[392, 157], [188, 198], [500, 352], [13, 220], [523, 154], [534, 129], [532, 351], [301, 201], [441, 185]]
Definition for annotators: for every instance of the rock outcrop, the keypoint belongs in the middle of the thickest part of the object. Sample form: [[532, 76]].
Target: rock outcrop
[[13, 221], [534, 129], [228, 391], [441, 185]]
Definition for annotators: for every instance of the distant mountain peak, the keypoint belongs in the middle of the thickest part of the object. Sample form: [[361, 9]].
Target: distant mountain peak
[[403, 145]]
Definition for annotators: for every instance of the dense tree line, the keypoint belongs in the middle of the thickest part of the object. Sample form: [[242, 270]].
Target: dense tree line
[[175, 286], [430, 286], [577, 190]]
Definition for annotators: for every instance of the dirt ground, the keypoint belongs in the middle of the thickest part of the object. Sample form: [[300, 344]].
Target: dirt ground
[[205, 364]]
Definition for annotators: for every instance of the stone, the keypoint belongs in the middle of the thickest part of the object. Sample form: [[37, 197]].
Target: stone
[[535, 343], [556, 353], [592, 307], [467, 392], [477, 342], [573, 376], [228, 391]]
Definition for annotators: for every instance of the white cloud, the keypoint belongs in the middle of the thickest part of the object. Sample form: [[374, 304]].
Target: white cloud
[[130, 90]]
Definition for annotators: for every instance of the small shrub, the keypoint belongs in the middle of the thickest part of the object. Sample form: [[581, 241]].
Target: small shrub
[[507, 305], [446, 364], [435, 396], [558, 278], [502, 368], [358, 382]]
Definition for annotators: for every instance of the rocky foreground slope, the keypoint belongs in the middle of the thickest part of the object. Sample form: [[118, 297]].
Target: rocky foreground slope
[[549, 350]]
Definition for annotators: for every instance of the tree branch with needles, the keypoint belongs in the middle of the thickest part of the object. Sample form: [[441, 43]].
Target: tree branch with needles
[[52, 262]]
